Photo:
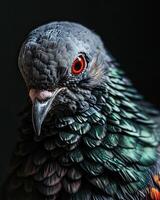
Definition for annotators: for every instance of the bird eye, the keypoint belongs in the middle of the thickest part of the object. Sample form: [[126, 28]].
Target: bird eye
[[78, 65]]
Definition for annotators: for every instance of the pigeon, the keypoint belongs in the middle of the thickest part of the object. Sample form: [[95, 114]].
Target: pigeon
[[86, 133]]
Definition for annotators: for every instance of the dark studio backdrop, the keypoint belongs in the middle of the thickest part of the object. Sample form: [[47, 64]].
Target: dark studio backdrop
[[126, 29]]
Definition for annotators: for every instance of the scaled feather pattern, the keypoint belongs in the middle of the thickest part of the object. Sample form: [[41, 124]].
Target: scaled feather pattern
[[99, 140]]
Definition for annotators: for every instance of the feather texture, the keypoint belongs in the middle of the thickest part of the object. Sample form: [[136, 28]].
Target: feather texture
[[99, 140]]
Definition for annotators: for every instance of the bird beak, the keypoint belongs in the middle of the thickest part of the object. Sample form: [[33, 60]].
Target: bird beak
[[42, 103]]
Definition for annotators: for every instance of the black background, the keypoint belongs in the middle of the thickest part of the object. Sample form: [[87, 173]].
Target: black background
[[125, 26]]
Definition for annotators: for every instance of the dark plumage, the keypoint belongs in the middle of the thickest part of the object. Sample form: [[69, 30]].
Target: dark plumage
[[96, 138]]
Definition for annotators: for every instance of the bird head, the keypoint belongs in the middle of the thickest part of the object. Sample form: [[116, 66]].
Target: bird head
[[62, 64]]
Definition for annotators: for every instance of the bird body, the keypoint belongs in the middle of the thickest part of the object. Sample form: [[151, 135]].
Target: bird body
[[96, 138]]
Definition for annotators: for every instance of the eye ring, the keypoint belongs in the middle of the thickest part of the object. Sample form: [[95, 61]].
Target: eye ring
[[78, 65]]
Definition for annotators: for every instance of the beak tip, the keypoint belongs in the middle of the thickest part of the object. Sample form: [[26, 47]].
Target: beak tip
[[37, 128], [37, 131]]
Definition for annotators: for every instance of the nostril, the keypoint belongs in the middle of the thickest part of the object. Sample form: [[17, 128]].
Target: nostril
[[41, 95]]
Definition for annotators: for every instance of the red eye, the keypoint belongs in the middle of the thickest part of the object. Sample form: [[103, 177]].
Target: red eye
[[78, 65]]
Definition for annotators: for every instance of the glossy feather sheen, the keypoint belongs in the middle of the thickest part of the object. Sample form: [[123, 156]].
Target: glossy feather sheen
[[105, 150]]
